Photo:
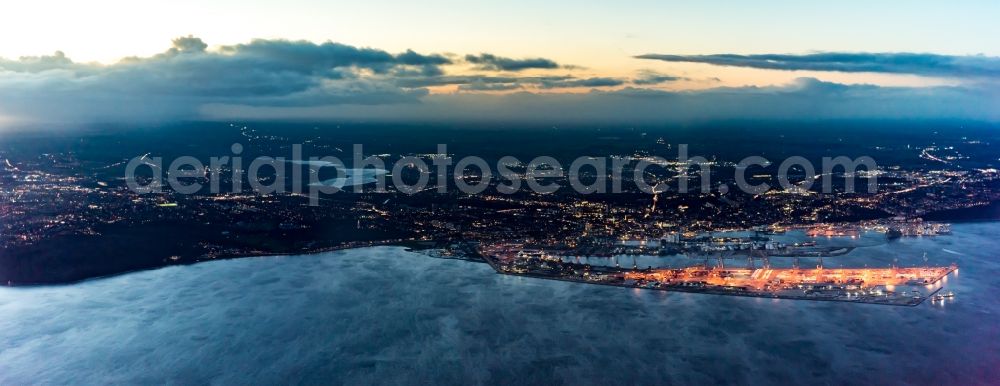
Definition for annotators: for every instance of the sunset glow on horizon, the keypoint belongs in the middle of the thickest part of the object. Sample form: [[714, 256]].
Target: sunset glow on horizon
[[645, 47]]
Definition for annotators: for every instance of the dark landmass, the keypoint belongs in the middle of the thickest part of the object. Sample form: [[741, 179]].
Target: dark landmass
[[124, 248], [989, 212]]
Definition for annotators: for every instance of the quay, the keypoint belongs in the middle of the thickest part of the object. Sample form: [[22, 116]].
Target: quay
[[886, 286]]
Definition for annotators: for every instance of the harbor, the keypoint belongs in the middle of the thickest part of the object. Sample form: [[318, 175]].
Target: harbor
[[897, 286]]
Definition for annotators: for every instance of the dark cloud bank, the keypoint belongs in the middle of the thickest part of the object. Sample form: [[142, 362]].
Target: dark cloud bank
[[896, 63], [805, 99], [280, 79], [497, 63]]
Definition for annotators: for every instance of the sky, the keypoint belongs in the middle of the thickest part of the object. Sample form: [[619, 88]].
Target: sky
[[111, 60]]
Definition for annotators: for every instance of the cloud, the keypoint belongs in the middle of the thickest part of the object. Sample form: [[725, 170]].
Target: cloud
[[177, 82], [188, 44], [495, 83], [648, 77], [413, 58], [481, 86], [895, 63], [36, 64], [429, 81], [805, 99], [585, 82], [492, 62], [282, 79]]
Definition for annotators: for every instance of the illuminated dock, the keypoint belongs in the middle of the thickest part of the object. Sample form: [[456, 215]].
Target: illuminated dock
[[891, 286]]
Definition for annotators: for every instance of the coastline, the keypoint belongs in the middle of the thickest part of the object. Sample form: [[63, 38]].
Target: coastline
[[180, 263], [412, 245]]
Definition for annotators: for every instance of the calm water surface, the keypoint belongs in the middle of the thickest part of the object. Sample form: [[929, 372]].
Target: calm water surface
[[388, 316]]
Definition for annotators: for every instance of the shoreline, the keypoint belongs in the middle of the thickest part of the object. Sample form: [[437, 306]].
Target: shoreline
[[195, 262], [410, 244]]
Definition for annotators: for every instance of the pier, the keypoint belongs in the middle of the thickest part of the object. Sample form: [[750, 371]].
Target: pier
[[887, 286]]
